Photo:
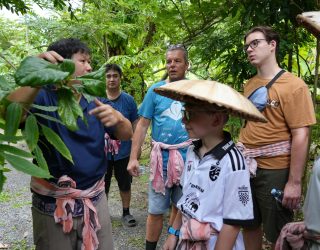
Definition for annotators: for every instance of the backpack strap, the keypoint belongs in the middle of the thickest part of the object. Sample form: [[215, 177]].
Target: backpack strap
[[275, 78]]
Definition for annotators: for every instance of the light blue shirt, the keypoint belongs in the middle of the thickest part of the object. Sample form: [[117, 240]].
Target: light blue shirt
[[165, 115]]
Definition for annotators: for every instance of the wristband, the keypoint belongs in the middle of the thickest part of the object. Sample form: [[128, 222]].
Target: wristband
[[173, 231]]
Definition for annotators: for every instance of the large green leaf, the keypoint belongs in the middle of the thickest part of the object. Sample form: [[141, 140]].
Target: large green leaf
[[25, 166], [10, 138], [34, 71], [45, 108], [68, 108], [15, 151], [31, 132], [47, 117], [94, 83], [42, 163], [13, 117], [56, 141], [67, 66]]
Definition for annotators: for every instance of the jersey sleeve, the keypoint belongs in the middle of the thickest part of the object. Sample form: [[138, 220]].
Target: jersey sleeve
[[237, 203]]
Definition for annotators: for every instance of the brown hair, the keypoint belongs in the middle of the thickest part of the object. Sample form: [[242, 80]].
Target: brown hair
[[269, 34]]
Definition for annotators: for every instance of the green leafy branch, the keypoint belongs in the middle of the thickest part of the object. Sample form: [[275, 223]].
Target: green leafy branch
[[36, 72]]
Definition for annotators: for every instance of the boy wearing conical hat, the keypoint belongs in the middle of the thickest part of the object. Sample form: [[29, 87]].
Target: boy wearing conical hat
[[216, 198]]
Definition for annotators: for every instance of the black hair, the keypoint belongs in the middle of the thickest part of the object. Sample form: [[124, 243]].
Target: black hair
[[67, 47], [115, 67]]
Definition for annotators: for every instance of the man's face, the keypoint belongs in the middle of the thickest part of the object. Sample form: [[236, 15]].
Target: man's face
[[176, 65], [82, 62], [113, 79], [259, 49]]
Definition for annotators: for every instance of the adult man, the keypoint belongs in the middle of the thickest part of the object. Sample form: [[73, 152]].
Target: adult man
[[75, 196], [165, 115], [290, 113], [119, 151]]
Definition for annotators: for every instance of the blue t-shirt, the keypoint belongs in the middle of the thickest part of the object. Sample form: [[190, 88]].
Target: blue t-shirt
[[165, 115], [86, 145], [126, 105]]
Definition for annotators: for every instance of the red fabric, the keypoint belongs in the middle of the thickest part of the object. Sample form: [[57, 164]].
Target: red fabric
[[270, 150], [174, 168], [111, 146], [65, 198], [194, 235]]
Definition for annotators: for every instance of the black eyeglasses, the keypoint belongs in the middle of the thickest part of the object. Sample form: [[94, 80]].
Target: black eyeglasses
[[253, 44]]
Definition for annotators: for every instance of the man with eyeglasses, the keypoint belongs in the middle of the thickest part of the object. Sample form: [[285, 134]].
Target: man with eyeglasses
[[169, 144], [281, 145]]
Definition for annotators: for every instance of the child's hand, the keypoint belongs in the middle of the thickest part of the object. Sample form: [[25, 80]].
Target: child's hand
[[170, 243]]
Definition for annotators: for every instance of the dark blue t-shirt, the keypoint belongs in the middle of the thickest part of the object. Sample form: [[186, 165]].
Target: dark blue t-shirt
[[126, 105], [86, 145]]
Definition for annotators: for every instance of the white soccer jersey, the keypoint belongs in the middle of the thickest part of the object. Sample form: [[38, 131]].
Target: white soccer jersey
[[216, 188]]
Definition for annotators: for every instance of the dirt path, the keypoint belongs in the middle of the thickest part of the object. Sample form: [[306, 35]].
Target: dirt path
[[16, 224]]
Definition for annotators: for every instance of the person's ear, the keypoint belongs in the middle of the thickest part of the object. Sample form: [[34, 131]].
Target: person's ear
[[217, 119], [273, 43]]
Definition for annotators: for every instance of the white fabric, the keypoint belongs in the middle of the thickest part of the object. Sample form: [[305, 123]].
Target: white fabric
[[214, 191]]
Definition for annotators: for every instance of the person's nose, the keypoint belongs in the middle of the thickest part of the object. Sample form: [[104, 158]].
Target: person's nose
[[88, 67]]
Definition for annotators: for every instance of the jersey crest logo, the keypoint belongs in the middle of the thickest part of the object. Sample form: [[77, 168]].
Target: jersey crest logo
[[214, 172], [243, 193]]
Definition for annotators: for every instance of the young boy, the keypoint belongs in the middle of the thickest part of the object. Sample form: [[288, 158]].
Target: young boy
[[216, 198]]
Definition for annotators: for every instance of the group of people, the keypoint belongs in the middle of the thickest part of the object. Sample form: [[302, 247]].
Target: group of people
[[214, 186]]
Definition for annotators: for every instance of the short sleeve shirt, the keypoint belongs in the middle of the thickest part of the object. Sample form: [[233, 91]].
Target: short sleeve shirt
[[86, 145], [126, 105], [289, 107], [166, 119], [216, 188]]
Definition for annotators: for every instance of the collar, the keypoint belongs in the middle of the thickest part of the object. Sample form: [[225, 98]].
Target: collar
[[220, 150]]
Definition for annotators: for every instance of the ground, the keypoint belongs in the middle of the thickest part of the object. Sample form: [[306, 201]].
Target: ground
[[16, 224]]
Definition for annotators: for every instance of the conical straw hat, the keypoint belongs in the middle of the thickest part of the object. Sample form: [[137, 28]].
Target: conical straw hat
[[212, 92]]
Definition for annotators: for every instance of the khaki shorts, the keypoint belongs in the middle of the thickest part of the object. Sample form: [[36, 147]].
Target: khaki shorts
[[49, 236], [267, 211]]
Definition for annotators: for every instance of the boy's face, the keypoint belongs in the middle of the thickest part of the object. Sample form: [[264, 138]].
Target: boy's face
[[198, 122], [259, 50], [113, 79], [82, 62]]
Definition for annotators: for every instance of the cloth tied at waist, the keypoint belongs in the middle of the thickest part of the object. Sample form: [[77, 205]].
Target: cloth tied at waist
[[294, 236], [65, 193], [111, 146], [270, 150], [195, 235], [174, 167]]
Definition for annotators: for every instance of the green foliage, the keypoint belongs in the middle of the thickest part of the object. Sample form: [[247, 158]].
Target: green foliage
[[13, 117], [36, 72], [56, 141]]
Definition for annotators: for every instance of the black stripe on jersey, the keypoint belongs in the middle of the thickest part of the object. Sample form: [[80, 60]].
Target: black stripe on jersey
[[234, 222], [232, 161], [236, 159], [242, 159], [237, 156]]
